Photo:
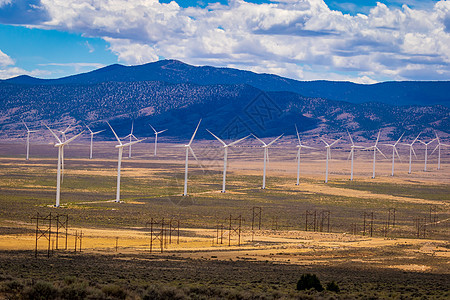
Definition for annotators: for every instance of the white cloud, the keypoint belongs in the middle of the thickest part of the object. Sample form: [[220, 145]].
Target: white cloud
[[4, 2], [285, 37], [5, 60], [15, 71]]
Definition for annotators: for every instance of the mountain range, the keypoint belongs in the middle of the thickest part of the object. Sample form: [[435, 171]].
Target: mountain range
[[174, 95]]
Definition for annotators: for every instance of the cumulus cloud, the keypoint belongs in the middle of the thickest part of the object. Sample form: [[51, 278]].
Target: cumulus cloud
[[5, 60], [296, 38]]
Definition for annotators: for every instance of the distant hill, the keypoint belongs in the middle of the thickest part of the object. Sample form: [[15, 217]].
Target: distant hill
[[229, 110], [422, 93]]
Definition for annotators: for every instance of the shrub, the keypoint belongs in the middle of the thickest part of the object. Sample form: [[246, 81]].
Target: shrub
[[333, 287], [41, 290], [309, 281], [114, 291]]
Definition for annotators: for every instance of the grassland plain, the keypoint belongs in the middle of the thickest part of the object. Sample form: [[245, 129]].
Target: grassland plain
[[151, 187]]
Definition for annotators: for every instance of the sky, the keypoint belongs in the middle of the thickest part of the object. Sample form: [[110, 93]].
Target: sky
[[360, 41]]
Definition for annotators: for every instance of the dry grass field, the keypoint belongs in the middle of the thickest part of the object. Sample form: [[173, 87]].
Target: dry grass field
[[116, 262]]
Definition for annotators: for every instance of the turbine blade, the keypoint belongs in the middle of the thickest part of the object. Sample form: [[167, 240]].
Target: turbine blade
[[298, 135], [381, 152], [414, 152], [57, 138], [25, 125], [416, 138], [350, 154], [217, 138], [259, 139], [98, 131], [399, 139], [195, 132], [397, 153], [132, 143], [193, 154], [274, 140], [132, 127], [335, 141], [72, 138], [435, 132], [235, 142], [162, 131], [88, 128], [378, 137], [153, 128], [120, 142], [324, 142], [351, 140], [437, 146]]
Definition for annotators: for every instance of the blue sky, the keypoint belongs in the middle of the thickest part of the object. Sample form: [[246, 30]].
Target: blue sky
[[360, 41]]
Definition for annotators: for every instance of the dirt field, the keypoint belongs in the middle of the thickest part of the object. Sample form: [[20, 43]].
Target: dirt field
[[414, 250]]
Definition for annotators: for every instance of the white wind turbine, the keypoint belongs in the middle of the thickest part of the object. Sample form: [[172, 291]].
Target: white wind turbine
[[375, 149], [60, 144], [156, 136], [438, 147], [266, 156], [394, 151], [119, 161], [188, 148], [28, 139], [328, 147], [411, 151], [426, 152], [131, 136], [92, 138], [225, 156], [299, 146], [352, 153]]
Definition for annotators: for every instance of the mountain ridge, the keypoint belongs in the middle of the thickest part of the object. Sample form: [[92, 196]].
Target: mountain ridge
[[173, 71]]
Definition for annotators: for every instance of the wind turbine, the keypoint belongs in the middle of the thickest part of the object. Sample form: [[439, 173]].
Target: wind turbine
[[119, 161], [60, 144], [394, 151], [426, 152], [131, 136], [375, 149], [411, 151], [266, 156], [92, 138], [225, 155], [352, 153], [299, 146], [156, 136], [28, 138], [328, 147], [188, 148], [438, 147]]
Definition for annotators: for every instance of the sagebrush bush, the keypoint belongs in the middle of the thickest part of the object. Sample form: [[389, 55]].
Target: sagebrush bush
[[41, 290], [333, 287], [309, 281]]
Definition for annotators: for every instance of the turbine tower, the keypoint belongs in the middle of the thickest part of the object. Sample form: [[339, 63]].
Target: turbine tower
[[438, 147], [299, 146], [375, 149], [225, 156], [266, 156], [328, 147], [28, 139], [426, 152], [352, 153], [411, 151], [60, 144], [119, 160], [131, 136], [156, 136], [188, 148], [92, 138], [394, 151]]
